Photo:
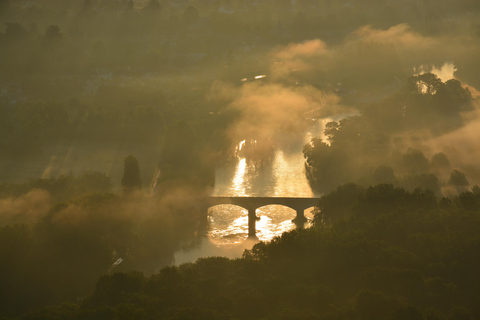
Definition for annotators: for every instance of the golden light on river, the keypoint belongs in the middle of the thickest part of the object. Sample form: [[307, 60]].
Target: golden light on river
[[239, 178], [282, 176]]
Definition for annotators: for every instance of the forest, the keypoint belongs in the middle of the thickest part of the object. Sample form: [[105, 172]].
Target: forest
[[115, 116], [386, 254]]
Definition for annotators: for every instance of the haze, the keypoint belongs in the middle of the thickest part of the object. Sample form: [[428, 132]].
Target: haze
[[118, 118]]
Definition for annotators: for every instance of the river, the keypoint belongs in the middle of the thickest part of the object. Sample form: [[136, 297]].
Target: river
[[282, 176]]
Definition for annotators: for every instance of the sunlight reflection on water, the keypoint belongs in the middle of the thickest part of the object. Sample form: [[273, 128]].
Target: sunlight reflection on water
[[281, 176]]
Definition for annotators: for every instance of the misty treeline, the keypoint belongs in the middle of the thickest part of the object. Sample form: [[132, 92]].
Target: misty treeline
[[373, 253], [58, 235], [86, 40], [55, 251], [116, 71], [387, 142], [77, 37]]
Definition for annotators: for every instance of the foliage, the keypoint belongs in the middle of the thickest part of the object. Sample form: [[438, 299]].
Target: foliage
[[415, 161], [370, 148], [457, 178], [336, 204], [56, 253], [107, 72], [53, 33], [389, 254]]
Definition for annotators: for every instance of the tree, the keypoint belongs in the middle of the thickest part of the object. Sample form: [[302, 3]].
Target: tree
[[440, 162], [53, 33], [382, 174], [423, 181], [326, 166], [337, 204], [452, 98], [457, 178], [131, 175], [427, 84], [415, 161], [476, 190]]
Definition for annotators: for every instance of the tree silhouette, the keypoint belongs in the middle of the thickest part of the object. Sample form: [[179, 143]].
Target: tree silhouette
[[440, 161], [131, 175], [457, 178], [383, 174], [415, 161], [53, 33], [427, 83]]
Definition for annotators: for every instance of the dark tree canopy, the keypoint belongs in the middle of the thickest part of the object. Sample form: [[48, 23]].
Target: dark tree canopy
[[131, 175], [383, 174], [457, 178], [53, 33], [427, 83], [440, 161], [415, 161]]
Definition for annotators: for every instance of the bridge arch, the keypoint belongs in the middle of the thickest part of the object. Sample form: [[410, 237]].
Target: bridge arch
[[277, 212], [226, 205], [228, 220], [277, 204]]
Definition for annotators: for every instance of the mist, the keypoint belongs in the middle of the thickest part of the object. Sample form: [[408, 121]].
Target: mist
[[27, 208], [118, 118]]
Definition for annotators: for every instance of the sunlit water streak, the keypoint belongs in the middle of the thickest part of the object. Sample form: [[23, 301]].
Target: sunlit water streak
[[282, 176]]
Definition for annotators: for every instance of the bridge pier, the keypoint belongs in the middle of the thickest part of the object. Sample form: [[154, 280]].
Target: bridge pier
[[300, 218], [252, 219]]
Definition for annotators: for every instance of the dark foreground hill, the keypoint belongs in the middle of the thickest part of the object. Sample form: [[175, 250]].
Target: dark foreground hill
[[376, 253]]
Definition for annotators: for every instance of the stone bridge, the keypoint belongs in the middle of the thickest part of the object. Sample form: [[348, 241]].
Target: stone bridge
[[253, 203]]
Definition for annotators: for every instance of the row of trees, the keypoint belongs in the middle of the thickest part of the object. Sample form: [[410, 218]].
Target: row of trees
[[374, 253], [371, 148]]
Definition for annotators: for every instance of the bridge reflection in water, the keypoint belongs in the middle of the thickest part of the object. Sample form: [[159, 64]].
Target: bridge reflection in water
[[251, 204]]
